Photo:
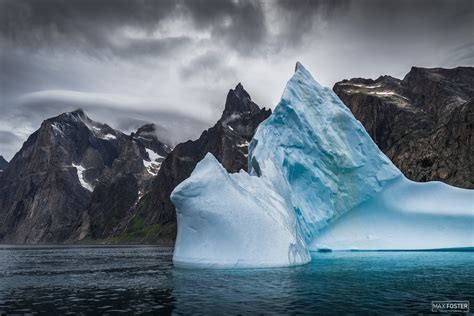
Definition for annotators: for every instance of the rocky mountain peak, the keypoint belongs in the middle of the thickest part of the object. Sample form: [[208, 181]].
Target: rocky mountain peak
[[458, 80], [227, 140], [79, 113], [71, 117], [67, 120], [238, 101], [147, 136], [146, 129], [240, 92]]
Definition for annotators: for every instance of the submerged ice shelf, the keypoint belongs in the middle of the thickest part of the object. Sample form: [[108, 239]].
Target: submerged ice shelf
[[316, 180]]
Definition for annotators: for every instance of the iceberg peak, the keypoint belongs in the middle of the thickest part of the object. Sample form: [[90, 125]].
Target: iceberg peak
[[323, 155], [298, 66]]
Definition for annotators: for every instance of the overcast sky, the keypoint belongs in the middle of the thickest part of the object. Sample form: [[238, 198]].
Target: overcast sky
[[172, 62]]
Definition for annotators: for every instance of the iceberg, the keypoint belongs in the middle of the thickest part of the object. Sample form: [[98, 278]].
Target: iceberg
[[233, 220], [316, 180], [326, 162], [406, 215]]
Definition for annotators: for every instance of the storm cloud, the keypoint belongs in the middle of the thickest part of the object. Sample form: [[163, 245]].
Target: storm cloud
[[172, 62]]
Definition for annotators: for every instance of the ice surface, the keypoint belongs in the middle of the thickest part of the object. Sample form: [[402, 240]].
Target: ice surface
[[317, 180], [233, 220], [326, 162], [406, 215]]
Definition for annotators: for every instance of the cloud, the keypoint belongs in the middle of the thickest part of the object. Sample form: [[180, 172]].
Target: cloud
[[211, 65], [99, 27], [77, 22], [240, 24], [172, 62], [298, 18], [9, 144], [128, 115]]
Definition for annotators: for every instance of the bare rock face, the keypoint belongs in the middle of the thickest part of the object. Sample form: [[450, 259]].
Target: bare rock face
[[3, 163], [423, 123], [123, 184], [227, 140], [62, 183]]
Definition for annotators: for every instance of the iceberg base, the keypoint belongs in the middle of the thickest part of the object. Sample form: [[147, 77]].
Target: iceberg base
[[406, 215]]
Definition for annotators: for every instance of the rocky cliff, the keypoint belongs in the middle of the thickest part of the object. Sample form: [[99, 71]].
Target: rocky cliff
[[72, 178], [227, 140], [3, 163], [423, 123]]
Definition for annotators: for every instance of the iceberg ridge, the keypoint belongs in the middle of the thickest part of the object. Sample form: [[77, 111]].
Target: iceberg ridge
[[323, 155]]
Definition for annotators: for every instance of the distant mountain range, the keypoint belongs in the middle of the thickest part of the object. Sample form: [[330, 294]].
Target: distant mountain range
[[77, 180]]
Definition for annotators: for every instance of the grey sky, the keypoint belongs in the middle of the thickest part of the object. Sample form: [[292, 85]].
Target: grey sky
[[172, 62]]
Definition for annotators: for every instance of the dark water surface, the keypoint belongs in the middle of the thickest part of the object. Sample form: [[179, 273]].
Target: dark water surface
[[133, 280]]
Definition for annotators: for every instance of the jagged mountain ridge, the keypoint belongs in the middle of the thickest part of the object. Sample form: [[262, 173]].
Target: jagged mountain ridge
[[54, 182], [227, 140], [423, 123]]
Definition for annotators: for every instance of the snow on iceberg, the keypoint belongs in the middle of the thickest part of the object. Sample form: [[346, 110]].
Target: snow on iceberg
[[316, 180]]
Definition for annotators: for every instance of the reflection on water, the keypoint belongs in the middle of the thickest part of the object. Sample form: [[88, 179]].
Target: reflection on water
[[98, 280]]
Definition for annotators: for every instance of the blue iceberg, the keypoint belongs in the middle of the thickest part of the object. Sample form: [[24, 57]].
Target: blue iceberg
[[233, 220], [316, 181]]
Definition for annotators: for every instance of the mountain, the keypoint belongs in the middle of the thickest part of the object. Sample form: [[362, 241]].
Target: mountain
[[3, 163], [73, 178], [423, 123], [316, 181], [227, 140]]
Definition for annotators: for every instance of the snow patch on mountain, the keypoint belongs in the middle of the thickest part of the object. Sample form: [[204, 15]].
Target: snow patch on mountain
[[361, 85], [244, 144], [109, 136], [80, 174], [153, 166], [57, 129]]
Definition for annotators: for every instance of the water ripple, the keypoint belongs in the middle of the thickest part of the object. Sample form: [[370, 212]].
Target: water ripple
[[134, 280]]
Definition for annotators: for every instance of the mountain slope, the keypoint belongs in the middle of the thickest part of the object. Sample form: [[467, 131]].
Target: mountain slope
[[56, 180], [122, 185], [423, 123], [3, 163], [227, 140]]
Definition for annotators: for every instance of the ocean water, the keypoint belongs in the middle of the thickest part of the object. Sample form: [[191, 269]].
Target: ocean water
[[134, 280]]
